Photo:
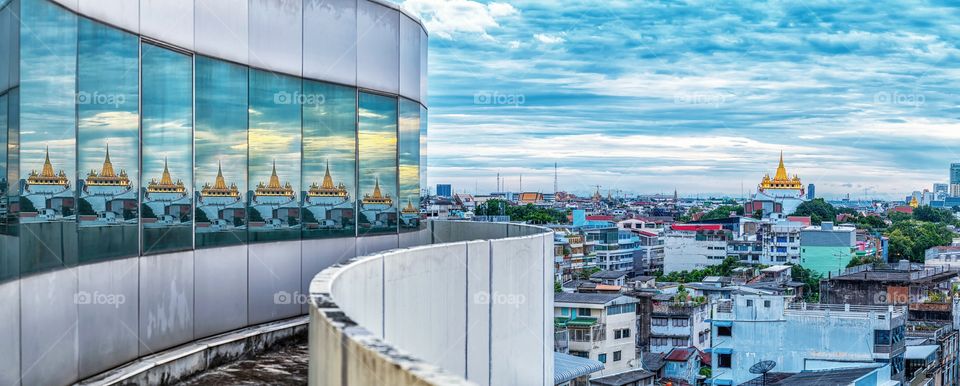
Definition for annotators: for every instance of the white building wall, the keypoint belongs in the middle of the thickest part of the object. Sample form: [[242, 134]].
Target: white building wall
[[682, 253]]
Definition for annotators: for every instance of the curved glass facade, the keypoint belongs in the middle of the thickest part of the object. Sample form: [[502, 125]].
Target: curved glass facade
[[114, 145]]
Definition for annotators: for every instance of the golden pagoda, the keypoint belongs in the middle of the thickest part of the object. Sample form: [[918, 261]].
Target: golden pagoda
[[409, 209], [274, 188], [781, 180], [913, 202], [377, 197], [107, 177], [327, 189], [46, 175], [596, 196], [166, 184], [220, 188]]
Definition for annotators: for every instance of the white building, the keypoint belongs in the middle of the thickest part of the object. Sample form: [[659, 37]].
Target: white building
[[781, 242], [602, 327], [690, 247], [804, 337], [680, 324]]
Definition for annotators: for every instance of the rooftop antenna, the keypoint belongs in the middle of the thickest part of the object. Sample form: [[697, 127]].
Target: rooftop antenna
[[498, 182], [521, 182], [555, 190]]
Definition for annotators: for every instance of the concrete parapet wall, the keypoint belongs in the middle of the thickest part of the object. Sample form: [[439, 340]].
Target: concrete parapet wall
[[462, 311]]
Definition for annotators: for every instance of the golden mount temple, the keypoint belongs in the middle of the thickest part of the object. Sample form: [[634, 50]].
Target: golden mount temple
[[107, 176], [377, 198], [274, 188], [220, 188], [327, 188], [409, 209], [166, 184], [781, 180], [46, 175]]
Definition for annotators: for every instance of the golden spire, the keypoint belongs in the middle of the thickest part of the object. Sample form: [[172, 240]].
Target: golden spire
[[376, 190], [327, 180], [409, 208], [107, 170], [219, 183], [165, 177], [914, 203], [781, 170], [47, 170], [274, 179]]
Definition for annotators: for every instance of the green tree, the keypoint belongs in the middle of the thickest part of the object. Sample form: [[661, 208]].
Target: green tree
[[84, 208], [254, 215], [27, 206], [810, 279], [200, 215], [931, 214], [818, 209], [722, 211], [909, 239], [146, 211]]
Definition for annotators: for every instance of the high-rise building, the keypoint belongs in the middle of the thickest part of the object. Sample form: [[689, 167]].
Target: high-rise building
[[444, 190], [955, 179], [940, 191], [811, 192]]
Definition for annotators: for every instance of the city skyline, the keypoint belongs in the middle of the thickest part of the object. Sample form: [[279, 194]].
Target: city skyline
[[702, 103]]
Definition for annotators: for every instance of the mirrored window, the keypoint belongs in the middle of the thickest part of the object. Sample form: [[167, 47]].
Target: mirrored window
[[48, 233], [408, 148], [274, 137], [329, 159], [107, 141], [221, 153], [167, 122], [378, 164]]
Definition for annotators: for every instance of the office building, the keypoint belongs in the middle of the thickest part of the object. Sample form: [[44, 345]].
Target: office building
[[444, 190]]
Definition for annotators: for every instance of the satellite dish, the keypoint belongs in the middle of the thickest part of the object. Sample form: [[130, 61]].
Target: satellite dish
[[762, 368]]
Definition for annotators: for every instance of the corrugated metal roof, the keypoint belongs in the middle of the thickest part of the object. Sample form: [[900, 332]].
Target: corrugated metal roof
[[567, 367]]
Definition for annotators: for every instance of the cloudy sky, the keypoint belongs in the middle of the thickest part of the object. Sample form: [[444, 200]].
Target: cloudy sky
[[646, 97]]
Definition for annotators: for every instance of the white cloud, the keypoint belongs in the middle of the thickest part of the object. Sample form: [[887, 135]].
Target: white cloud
[[549, 39], [447, 19]]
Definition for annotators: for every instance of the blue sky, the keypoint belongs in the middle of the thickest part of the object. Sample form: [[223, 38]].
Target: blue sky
[[646, 97]]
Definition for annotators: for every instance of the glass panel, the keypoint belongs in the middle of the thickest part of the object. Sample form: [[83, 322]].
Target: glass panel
[[409, 156], [9, 232], [167, 122], [48, 137], [221, 155], [107, 141], [275, 144], [8, 265], [329, 159], [424, 186], [378, 164]]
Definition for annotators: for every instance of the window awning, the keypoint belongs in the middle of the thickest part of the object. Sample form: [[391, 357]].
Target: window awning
[[581, 322], [722, 323], [723, 350]]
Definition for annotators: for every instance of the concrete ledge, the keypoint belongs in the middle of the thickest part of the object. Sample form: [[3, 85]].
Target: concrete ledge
[[178, 363], [405, 316]]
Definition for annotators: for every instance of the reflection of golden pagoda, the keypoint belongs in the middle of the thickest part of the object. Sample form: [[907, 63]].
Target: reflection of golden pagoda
[[166, 184], [377, 197], [107, 177], [409, 209], [220, 188], [781, 180], [327, 189], [47, 177], [274, 188]]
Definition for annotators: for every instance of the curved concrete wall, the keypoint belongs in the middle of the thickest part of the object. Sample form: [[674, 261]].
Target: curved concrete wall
[[370, 44], [58, 327], [62, 326], [475, 311]]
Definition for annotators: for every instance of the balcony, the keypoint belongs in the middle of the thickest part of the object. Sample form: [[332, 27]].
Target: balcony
[[453, 313]]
